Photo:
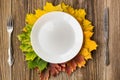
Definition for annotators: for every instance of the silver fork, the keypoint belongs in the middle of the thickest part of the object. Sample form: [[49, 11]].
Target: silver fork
[[10, 55], [10, 30]]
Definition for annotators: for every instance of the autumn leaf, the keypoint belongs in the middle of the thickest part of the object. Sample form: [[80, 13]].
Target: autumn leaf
[[44, 75], [90, 45], [30, 56], [49, 7], [87, 25], [39, 13], [70, 66], [37, 63], [30, 19], [52, 70], [87, 34], [85, 53]]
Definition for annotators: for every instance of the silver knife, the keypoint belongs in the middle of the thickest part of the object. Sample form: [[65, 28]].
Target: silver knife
[[106, 35]]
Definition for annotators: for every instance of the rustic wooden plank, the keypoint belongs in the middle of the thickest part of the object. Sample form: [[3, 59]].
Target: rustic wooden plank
[[95, 69], [5, 11], [20, 70], [113, 70]]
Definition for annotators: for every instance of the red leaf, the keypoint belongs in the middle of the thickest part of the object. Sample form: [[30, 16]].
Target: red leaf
[[44, 75], [80, 61], [68, 67]]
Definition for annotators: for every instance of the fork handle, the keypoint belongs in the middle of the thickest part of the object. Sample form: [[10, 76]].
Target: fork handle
[[10, 57]]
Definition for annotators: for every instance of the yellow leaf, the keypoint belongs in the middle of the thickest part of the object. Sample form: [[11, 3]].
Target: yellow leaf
[[86, 22], [88, 34], [24, 29], [82, 64], [80, 13], [39, 13], [88, 28], [64, 7], [87, 25], [85, 53], [70, 10], [30, 19], [49, 7], [90, 45]]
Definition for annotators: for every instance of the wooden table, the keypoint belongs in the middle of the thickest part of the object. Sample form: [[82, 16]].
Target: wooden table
[[95, 69]]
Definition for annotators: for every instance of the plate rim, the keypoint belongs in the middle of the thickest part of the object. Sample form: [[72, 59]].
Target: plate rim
[[61, 59]]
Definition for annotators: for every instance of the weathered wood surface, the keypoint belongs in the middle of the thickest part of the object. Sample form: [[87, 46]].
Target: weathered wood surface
[[95, 69]]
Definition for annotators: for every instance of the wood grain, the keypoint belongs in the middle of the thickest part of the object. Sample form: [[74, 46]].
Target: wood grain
[[95, 69]]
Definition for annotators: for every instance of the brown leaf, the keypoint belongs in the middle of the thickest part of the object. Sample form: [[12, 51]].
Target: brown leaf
[[80, 61], [63, 65], [69, 70], [54, 69], [44, 75]]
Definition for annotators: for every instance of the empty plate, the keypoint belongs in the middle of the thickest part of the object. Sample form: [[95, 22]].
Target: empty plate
[[56, 37]]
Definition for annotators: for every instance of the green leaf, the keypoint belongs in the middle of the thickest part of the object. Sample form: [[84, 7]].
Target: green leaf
[[42, 65], [25, 35], [26, 48], [28, 27], [21, 37], [26, 41], [37, 62], [31, 64], [32, 59], [30, 56]]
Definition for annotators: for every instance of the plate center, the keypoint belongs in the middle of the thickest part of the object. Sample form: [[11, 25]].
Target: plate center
[[56, 37]]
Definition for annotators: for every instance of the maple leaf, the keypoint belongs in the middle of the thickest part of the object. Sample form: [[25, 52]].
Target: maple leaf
[[44, 75], [30, 19], [37, 63], [87, 25], [52, 70], [30, 56], [71, 66], [67, 9], [90, 45], [39, 13], [49, 7], [88, 34], [80, 61], [68, 67], [85, 53]]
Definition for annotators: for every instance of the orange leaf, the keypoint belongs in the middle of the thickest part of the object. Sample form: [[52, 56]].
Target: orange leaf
[[80, 61], [44, 75]]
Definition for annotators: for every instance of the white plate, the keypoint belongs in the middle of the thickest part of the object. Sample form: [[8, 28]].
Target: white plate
[[56, 37]]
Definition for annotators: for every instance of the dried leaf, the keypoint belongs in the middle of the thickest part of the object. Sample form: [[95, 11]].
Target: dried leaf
[[49, 7], [80, 61], [30, 19], [90, 45], [54, 69], [71, 66], [87, 25], [44, 75], [88, 34], [39, 13], [85, 53]]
